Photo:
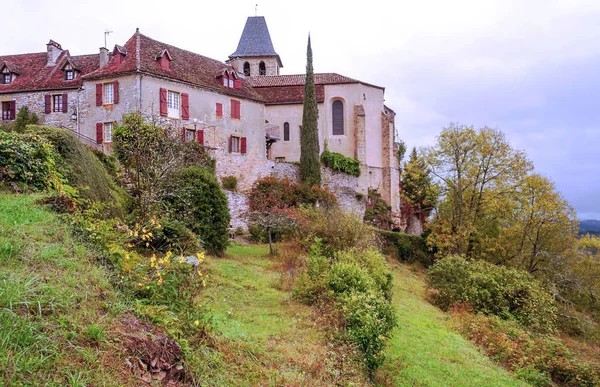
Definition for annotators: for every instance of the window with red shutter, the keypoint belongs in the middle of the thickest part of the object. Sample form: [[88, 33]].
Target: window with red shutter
[[235, 109], [163, 102], [200, 134], [219, 110], [65, 102], [185, 106], [12, 110], [98, 94], [243, 145], [99, 133], [116, 90], [47, 104]]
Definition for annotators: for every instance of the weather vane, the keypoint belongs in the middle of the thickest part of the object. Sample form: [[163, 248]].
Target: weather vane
[[106, 33]]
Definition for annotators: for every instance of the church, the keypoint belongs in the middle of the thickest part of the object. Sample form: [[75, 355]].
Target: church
[[243, 110]]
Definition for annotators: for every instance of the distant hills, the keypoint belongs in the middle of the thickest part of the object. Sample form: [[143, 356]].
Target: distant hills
[[590, 226]]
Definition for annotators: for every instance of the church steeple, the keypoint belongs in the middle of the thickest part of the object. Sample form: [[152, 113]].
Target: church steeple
[[255, 54]]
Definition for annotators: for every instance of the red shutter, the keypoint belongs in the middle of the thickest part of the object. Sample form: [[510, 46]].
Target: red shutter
[[12, 110], [47, 104], [163, 102], [185, 106], [243, 145], [238, 104], [237, 84], [65, 101], [219, 109], [230, 143], [183, 135], [232, 109], [200, 134], [98, 94], [99, 133], [116, 89]]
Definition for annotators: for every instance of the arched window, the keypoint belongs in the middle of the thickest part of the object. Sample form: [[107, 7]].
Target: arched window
[[286, 131], [262, 69], [337, 117], [247, 69]]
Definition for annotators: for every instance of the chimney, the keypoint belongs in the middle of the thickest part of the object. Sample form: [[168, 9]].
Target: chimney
[[103, 56], [54, 51]]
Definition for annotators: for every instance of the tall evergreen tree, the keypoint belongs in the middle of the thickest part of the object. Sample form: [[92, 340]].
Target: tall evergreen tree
[[310, 166]]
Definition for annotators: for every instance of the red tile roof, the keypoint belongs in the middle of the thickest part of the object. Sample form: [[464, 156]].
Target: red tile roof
[[185, 66], [288, 94], [33, 74], [285, 89]]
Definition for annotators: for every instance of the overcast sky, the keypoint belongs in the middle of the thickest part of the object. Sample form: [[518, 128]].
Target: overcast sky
[[529, 67]]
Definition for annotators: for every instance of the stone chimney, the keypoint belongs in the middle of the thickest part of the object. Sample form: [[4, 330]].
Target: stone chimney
[[103, 56], [54, 51]]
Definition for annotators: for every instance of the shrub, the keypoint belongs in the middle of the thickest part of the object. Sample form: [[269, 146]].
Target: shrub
[[535, 358], [195, 198], [505, 292], [163, 235], [229, 183], [339, 230], [341, 163], [271, 193], [407, 248], [84, 171], [29, 160]]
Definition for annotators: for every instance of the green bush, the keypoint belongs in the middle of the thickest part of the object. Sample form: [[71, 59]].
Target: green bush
[[29, 160], [84, 171], [271, 193], [341, 163], [407, 248], [195, 198], [495, 290], [359, 284], [229, 183]]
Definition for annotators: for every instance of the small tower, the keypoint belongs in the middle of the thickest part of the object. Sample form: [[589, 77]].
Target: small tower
[[255, 54]]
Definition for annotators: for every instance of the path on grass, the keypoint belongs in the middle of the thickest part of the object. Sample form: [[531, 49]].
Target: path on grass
[[424, 352]]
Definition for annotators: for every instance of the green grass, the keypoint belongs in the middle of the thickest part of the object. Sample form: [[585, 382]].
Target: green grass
[[56, 303], [425, 352], [262, 336]]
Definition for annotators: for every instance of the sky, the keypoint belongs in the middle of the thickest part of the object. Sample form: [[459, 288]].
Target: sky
[[530, 68]]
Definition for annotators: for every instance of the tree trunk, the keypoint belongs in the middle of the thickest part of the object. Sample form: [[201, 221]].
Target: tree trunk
[[270, 240]]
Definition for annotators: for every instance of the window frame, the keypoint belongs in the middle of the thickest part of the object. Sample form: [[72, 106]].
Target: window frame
[[4, 78], [57, 103], [6, 111], [190, 135], [262, 68], [105, 95], [172, 111], [235, 144], [246, 66], [107, 129], [71, 72], [336, 128], [286, 131]]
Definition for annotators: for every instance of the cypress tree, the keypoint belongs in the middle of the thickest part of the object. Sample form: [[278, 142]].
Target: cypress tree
[[310, 165]]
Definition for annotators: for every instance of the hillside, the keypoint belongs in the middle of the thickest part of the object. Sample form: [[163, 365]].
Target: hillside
[[590, 226], [62, 318]]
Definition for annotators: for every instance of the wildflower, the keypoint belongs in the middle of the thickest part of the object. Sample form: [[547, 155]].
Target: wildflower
[[203, 283], [196, 323]]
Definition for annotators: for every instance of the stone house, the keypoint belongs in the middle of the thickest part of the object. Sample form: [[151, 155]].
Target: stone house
[[245, 112]]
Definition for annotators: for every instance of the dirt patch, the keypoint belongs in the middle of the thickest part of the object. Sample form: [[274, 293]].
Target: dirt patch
[[152, 356]]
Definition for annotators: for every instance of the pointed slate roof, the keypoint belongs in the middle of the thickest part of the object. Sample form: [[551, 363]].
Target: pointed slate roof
[[255, 40]]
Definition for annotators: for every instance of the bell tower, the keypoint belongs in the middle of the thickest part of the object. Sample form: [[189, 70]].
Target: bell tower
[[255, 55]]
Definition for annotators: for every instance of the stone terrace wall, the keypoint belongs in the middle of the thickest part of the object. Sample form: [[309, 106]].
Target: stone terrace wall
[[344, 186]]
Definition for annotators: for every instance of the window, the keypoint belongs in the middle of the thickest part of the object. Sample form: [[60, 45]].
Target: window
[[219, 110], [247, 69], [225, 82], [108, 128], [337, 117], [235, 109], [173, 104], [190, 135], [57, 103], [262, 69], [286, 131], [231, 83], [69, 75], [235, 144], [6, 78], [108, 94], [6, 111]]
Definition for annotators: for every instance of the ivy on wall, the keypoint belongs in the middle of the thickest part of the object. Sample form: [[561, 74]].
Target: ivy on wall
[[341, 163]]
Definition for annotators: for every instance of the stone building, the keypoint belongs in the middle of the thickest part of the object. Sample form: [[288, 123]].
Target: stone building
[[246, 113]]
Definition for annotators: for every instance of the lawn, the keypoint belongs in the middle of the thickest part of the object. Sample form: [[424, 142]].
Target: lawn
[[425, 352]]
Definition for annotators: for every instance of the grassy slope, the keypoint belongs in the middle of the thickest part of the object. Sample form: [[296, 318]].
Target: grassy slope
[[264, 338], [424, 352], [57, 308]]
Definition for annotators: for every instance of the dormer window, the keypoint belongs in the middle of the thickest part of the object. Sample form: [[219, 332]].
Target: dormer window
[[164, 59], [230, 81], [6, 78], [119, 54], [70, 72]]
